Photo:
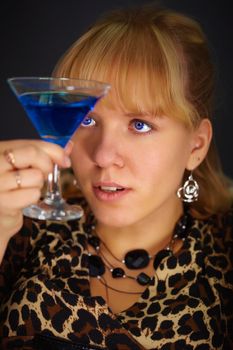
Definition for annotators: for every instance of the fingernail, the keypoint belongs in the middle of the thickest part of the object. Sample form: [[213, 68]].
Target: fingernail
[[67, 161], [69, 146], [71, 143]]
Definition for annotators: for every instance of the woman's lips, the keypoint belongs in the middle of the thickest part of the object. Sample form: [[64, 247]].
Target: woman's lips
[[106, 191]]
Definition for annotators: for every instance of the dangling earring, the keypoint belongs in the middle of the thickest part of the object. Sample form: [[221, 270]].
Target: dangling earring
[[190, 191]]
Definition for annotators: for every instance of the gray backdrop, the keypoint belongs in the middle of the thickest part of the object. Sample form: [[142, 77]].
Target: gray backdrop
[[34, 34]]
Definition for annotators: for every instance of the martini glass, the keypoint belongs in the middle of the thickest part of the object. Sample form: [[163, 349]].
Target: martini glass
[[56, 108]]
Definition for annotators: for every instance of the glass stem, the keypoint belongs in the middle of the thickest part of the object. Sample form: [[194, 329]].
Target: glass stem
[[53, 194]]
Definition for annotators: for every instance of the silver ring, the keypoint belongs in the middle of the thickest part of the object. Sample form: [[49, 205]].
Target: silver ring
[[18, 179]]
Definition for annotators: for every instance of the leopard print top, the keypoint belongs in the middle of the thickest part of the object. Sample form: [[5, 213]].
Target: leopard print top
[[44, 291]]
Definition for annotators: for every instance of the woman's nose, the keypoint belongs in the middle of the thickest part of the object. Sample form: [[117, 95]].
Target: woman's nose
[[107, 151]]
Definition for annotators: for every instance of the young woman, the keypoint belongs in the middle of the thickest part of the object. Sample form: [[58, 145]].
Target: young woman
[[149, 265]]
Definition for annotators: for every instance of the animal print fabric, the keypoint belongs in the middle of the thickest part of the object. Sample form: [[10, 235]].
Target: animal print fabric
[[44, 290]]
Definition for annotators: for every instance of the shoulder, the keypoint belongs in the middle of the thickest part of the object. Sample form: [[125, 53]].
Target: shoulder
[[216, 237], [218, 248], [217, 232]]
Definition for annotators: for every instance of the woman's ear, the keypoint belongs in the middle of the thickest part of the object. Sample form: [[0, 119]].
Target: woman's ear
[[201, 138]]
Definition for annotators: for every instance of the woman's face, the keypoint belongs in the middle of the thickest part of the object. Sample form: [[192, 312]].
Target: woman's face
[[129, 167]]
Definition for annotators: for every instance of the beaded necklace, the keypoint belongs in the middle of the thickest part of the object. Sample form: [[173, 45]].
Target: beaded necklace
[[133, 259]]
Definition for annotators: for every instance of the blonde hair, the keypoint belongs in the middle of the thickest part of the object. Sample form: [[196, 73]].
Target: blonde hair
[[158, 62]]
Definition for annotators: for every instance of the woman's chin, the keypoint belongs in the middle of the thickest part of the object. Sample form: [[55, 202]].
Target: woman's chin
[[114, 217]]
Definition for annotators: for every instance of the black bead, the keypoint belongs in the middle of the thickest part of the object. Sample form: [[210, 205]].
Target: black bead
[[88, 227], [160, 256], [94, 241], [118, 272], [143, 279], [96, 266], [137, 259], [181, 226]]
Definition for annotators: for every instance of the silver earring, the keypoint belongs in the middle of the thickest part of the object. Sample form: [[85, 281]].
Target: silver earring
[[190, 191]]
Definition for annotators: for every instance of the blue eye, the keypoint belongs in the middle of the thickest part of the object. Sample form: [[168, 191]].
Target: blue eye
[[140, 126], [88, 121]]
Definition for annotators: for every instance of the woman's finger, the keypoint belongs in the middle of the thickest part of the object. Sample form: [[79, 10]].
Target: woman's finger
[[36, 154], [18, 199], [18, 179], [69, 147]]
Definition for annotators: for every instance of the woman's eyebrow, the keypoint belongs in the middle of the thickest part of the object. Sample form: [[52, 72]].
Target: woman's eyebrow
[[93, 113], [127, 114], [141, 115], [135, 115]]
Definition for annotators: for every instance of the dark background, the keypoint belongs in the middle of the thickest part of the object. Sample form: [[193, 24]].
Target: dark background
[[34, 34]]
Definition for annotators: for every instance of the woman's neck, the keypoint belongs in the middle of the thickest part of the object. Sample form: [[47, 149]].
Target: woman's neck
[[151, 234]]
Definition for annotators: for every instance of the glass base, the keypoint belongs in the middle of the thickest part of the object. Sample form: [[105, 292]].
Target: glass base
[[43, 211]]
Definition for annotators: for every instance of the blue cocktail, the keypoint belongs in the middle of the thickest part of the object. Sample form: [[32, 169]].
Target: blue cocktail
[[56, 107], [56, 115]]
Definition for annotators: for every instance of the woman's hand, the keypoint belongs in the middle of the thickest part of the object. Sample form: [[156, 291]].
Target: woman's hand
[[24, 166]]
